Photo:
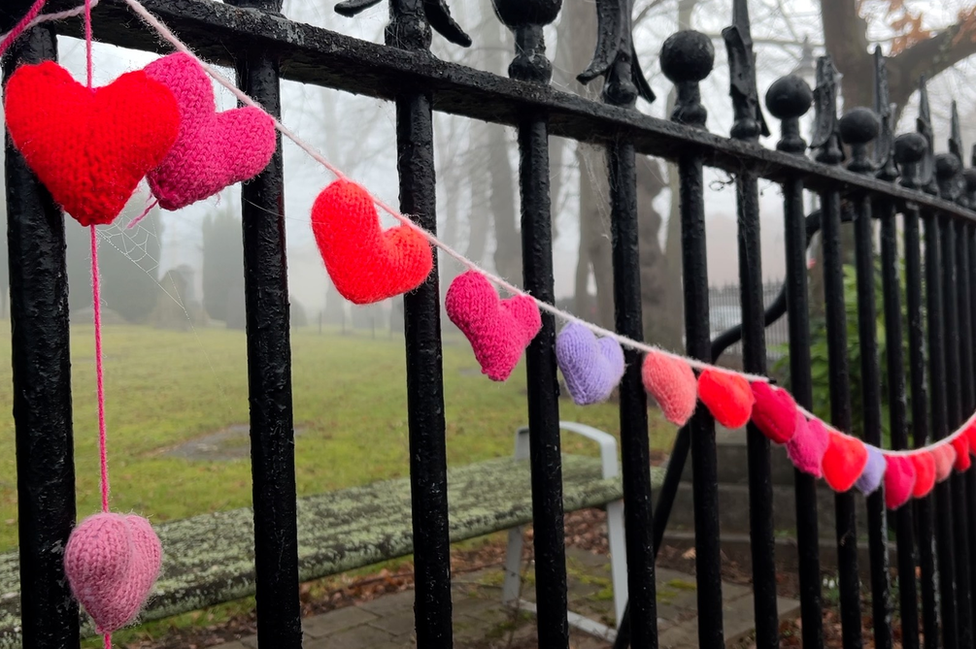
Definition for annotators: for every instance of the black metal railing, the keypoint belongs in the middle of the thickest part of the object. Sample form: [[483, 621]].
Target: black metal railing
[[902, 185]]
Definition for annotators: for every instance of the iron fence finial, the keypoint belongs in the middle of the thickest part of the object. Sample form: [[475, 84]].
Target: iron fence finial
[[615, 57], [749, 121]]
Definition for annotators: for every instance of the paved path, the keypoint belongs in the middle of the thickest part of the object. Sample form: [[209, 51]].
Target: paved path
[[482, 622]]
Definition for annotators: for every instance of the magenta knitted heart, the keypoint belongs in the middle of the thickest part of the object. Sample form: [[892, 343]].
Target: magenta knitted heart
[[213, 150], [498, 330], [112, 562]]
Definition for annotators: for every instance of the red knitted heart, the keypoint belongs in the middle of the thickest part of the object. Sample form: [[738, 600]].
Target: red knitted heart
[[774, 413], [961, 445], [728, 397], [365, 263], [843, 462], [672, 384], [90, 147], [924, 474], [899, 480]]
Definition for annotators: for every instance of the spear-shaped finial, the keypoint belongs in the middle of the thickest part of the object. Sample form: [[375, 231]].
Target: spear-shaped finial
[[615, 58], [884, 145], [955, 133], [749, 121], [923, 124], [825, 135], [436, 12]]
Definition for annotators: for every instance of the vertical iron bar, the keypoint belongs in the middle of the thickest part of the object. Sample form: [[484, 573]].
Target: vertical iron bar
[[686, 59], [898, 421], [970, 272], [960, 374], [269, 372], [748, 126], [859, 127], [408, 29], [41, 382], [530, 64], [943, 536], [789, 99], [910, 149], [633, 399], [827, 140]]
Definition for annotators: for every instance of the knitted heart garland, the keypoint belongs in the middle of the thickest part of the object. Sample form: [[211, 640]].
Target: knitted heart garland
[[90, 147], [112, 562], [365, 263], [807, 446], [774, 412], [873, 473], [498, 330], [727, 396], [213, 150], [843, 462], [672, 384], [945, 457], [924, 474], [592, 368], [899, 480]]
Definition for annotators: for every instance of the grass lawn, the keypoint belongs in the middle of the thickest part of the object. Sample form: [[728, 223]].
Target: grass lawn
[[165, 388]]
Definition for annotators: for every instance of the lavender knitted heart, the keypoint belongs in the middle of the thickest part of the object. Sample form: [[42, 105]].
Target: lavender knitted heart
[[592, 367], [873, 473]]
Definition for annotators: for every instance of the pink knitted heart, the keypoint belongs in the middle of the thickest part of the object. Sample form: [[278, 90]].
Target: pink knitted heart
[[498, 330], [112, 562], [945, 457], [672, 383], [899, 480], [807, 446], [213, 149]]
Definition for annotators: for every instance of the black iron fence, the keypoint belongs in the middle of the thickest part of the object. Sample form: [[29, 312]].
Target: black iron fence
[[725, 313], [930, 195]]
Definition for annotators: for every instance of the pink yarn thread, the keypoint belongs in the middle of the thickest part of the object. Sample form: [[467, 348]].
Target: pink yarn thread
[[22, 26]]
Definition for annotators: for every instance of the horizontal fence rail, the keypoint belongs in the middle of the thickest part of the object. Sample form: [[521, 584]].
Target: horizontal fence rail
[[865, 178]]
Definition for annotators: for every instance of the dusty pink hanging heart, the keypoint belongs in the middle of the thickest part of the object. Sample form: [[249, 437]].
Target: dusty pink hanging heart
[[213, 150], [112, 562], [672, 384], [498, 330]]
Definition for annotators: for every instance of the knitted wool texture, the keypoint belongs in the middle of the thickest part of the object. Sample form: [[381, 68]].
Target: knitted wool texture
[[899, 480], [213, 150], [961, 445], [498, 330], [774, 412], [365, 263], [592, 368], [924, 474], [727, 396], [945, 457], [672, 384], [112, 562], [90, 147], [843, 462], [873, 472], [807, 446]]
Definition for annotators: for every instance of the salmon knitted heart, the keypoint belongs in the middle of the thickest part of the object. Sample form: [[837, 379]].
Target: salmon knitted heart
[[945, 457], [774, 412], [90, 147], [592, 368], [672, 384], [365, 263], [727, 396], [498, 330], [112, 562], [961, 445], [844, 461], [213, 150], [807, 446], [899, 480], [924, 474]]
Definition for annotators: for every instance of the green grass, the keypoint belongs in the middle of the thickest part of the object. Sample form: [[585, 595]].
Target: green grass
[[164, 388]]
